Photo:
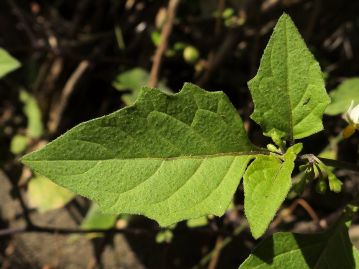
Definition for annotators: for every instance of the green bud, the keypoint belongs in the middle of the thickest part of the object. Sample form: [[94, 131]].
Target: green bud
[[310, 172], [272, 148], [303, 167], [227, 13], [335, 184], [321, 187]]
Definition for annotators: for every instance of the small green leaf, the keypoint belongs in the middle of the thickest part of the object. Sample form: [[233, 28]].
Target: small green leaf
[[7, 63], [18, 144], [164, 236], [267, 182], [331, 249], [169, 157], [156, 38], [95, 219], [33, 113], [133, 80], [335, 184], [342, 96], [288, 91], [46, 195], [321, 186]]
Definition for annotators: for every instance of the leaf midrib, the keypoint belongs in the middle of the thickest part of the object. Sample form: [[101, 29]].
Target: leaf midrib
[[290, 117], [229, 154]]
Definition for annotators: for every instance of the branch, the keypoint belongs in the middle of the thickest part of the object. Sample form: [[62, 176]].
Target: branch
[[329, 162], [340, 164], [167, 29], [127, 231], [24, 24], [57, 112], [65, 231]]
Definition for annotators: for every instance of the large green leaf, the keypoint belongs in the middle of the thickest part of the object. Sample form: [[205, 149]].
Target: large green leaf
[[7, 63], [267, 182], [288, 90], [169, 157], [343, 95], [329, 250]]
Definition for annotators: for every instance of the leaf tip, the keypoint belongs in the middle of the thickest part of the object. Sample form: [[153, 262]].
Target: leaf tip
[[257, 233], [285, 17]]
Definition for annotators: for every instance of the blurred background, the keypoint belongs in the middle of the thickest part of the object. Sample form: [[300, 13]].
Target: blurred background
[[83, 59]]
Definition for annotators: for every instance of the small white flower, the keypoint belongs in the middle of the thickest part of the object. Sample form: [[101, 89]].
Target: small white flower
[[352, 114], [352, 117]]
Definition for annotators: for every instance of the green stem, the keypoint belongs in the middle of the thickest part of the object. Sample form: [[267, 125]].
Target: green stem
[[340, 164]]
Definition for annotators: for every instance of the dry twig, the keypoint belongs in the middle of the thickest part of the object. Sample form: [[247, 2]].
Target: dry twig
[[166, 32], [56, 113]]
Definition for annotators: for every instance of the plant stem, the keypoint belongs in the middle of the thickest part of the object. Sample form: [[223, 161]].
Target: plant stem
[[340, 164], [329, 162], [127, 231]]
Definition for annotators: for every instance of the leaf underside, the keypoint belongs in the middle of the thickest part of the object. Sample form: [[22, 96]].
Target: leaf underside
[[288, 91], [168, 157], [266, 185]]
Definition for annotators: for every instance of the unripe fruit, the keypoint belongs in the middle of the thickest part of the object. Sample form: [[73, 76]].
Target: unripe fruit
[[190, 54]]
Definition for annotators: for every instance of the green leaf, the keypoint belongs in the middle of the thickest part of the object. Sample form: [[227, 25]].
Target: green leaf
[[164, 236], [342, 96], [133, 80], [267, 182], [95, 219], [169, 157], [46, 195], [7, 63], [33, 113], [331, 250], [156, 38], [18, 144], [288, 91]]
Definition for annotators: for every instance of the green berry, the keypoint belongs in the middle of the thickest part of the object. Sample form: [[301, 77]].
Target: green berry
[[190, 54]]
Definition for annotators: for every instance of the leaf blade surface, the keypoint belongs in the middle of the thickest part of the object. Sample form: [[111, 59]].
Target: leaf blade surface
[[267, 182], [169, 157], [288, 90], [330, 249]]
